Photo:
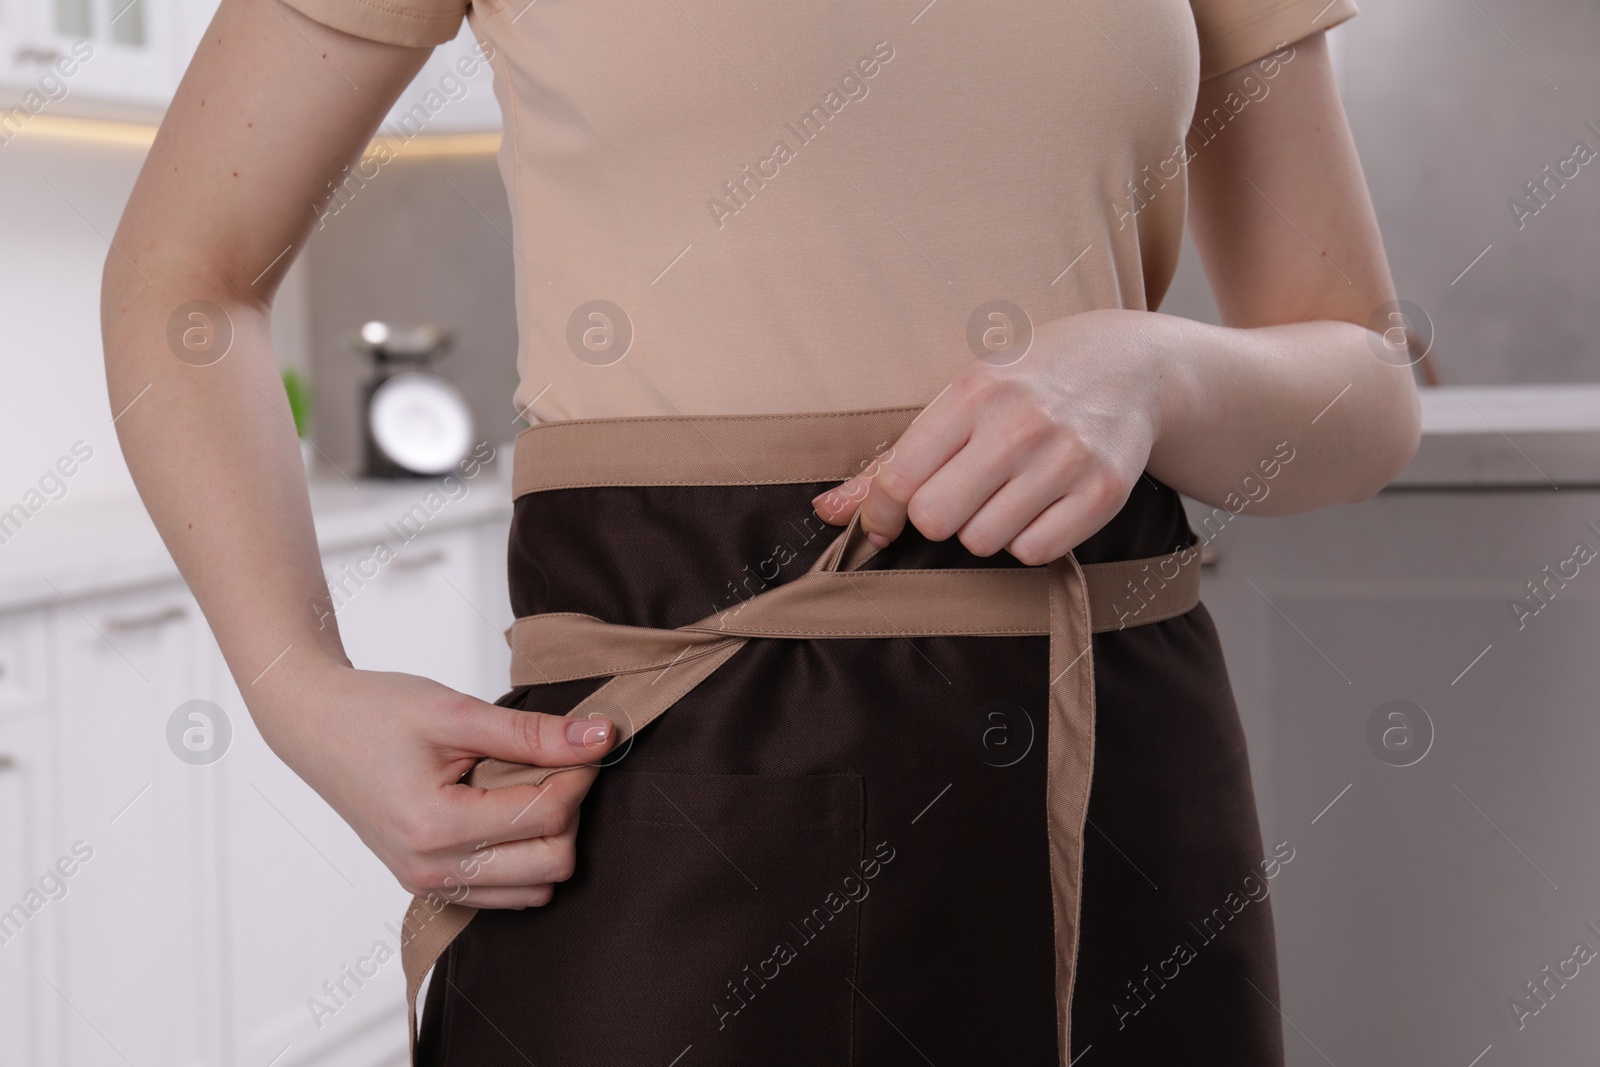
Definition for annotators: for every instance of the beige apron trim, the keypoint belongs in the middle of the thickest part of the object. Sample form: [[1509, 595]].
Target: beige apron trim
[[703, 450], [650, 669]]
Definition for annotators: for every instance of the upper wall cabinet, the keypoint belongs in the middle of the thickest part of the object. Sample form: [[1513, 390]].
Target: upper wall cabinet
[[120, 52], [122, 59]]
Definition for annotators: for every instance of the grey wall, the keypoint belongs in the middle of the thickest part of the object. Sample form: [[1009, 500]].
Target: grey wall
[[421, 242], [1452, 117]]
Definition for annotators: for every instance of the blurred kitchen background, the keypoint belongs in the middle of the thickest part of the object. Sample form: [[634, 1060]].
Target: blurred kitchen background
[[1416, 673]]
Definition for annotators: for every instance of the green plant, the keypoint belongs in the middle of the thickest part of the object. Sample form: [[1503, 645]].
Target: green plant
[[299, 392]]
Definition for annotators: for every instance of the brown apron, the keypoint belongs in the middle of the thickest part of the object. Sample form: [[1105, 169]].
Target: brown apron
[[797, 780]]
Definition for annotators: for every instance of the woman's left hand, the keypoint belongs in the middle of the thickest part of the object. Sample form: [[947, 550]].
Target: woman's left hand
[[1032, 457]]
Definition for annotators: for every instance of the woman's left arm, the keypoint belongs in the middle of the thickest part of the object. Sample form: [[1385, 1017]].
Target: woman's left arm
[[1036, 456], [1287, 235]]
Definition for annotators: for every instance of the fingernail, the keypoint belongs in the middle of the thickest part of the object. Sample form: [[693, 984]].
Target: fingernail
[[878, 539], [588, 732]]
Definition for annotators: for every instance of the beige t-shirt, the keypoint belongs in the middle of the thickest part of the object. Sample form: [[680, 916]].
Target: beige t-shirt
[[805, 205]]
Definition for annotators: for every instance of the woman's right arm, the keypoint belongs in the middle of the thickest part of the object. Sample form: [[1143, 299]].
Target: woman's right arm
[[272, 108]]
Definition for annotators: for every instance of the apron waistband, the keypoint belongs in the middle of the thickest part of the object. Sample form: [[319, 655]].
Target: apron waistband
[[650, 669]]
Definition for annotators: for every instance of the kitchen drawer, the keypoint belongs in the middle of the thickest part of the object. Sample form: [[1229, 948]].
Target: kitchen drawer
[[24, 666]]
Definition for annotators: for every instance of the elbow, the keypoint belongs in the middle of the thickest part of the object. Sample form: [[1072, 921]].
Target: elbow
[[1396, 443]]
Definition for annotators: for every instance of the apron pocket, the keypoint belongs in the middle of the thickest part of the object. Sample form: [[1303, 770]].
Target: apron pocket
[[720, 911]]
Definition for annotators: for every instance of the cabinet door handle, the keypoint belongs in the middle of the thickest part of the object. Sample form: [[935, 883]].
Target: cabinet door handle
[[418, 562], [7, 762], [124, 623], [41, 56]]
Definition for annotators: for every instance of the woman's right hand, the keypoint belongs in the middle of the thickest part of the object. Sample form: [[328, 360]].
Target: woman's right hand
[[388, 750]]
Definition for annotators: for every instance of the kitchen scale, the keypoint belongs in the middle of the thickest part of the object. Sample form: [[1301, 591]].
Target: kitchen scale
[[416, 424]]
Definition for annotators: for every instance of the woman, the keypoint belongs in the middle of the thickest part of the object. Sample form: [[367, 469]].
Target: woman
[[759, 251]]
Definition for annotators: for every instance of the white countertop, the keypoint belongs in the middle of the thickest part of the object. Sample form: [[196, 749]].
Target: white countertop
[[74, 548], [1507, 435]]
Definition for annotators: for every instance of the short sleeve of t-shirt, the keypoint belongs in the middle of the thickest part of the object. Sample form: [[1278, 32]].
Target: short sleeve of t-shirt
[[1236, 32], [419, 23]]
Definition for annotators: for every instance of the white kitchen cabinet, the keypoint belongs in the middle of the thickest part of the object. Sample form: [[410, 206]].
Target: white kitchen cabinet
[[139, 971], [314, 959], [194, 902], [29, 891], [29, 925], [306, 902], [25, 678], [423, 612], [110, 54]]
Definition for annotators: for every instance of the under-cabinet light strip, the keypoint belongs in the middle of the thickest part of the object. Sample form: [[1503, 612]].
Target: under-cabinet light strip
[[141, 134]]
